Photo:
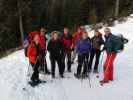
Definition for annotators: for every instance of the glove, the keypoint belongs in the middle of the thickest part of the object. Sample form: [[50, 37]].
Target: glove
[[103, 49]]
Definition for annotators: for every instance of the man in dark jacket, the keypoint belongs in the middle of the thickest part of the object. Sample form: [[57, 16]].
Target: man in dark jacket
[[96, 42], [43, 66], [67, 44], [110, 48], [55, 48], [83, 48]]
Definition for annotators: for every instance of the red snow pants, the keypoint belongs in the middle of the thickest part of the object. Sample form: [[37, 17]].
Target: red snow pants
[[109, 67]]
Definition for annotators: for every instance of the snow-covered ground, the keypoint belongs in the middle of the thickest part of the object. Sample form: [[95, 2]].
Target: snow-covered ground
[[13, 78]]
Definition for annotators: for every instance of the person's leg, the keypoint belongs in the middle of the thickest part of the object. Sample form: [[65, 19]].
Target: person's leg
[[85, 61], [69, 62], [35, 75], [113, 56], [60, 66], [52, 67], [73, 56], [92, 53], [41, 67], [80, 63], [107, 67], [98, 53], [63, 62], [45, 66]]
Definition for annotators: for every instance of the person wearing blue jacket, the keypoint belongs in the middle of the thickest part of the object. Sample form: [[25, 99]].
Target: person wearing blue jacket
[[83, 48]]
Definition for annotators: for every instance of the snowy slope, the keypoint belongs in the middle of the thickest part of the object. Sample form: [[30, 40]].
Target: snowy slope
[[13, 77]]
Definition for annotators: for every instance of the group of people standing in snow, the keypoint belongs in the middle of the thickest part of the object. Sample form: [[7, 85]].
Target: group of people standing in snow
[[64, 47]]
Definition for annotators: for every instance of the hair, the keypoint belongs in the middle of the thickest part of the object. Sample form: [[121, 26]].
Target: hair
[[66, 27], [107, 29], [84, 32], [55, 32]]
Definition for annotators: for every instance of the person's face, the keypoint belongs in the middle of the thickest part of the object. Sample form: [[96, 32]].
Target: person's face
[[36, 39], [55, 36], [107, 32], [96, 33], [79, 30], [84, 35], [82, 28], [42, 31], [66, 30]]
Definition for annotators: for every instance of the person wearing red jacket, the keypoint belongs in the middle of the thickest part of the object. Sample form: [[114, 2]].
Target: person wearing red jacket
[[33, 54], [67, 44], [31, 35], [76, 36], [43, 67]]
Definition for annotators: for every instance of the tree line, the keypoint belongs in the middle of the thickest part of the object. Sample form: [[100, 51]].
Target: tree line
[[23, 16]]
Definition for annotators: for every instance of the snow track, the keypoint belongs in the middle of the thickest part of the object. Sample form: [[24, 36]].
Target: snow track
[[13, 78]]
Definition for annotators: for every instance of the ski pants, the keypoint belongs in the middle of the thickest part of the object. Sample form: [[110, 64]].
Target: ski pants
[[53, 65], [109, 67], [35, 75], [82, 59], [94, 53], [43, 62], [68, 56]]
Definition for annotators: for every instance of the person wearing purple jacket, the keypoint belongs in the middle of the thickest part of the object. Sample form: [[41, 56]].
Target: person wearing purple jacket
[[83, 48]]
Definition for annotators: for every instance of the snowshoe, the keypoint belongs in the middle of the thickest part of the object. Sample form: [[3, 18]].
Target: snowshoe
[[69, 70], [103, 82], [62, 76], [33, 84], [84, 76], [47, 72], [95, 72], [77, 76], [36, 83], [97, 76]]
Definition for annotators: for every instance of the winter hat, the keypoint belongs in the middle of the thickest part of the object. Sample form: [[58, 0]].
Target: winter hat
[[107, 30]]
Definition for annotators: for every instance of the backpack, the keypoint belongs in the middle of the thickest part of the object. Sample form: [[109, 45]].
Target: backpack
[[118, 42]]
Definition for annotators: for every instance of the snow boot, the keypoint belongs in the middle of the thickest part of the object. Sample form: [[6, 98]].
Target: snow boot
[[103, 82], [77, 76]]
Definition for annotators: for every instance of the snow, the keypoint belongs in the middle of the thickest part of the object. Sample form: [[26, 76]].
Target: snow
[[131, 15], [13, 78]]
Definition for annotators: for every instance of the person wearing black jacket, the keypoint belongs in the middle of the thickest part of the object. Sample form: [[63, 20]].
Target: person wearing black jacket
[[55, 48], [66, 39], [96, 42]]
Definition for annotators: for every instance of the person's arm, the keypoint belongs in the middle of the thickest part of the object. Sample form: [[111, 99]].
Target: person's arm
[[110, 45], [102, 42], [49, 46], [62, 49], [78, 47]]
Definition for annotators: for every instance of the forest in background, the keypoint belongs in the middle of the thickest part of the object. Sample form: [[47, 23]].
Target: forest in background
[[23, 16]]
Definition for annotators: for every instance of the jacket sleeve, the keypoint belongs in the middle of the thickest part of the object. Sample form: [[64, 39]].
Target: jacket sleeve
[[78, 47], [102, 41], [28, 52], [110, 46], [49, 46], [62, 48]]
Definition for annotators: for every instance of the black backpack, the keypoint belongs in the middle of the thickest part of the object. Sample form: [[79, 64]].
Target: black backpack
[[118, 42]]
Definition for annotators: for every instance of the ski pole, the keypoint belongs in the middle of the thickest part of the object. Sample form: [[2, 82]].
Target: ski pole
[[88, 72], [28, 70], [101, 64]]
